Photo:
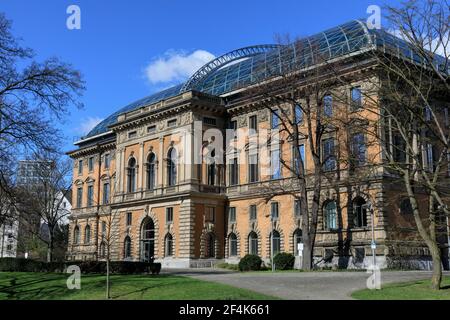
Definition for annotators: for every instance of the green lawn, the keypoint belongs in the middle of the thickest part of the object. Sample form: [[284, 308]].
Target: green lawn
[[417, 290], [52, 286]]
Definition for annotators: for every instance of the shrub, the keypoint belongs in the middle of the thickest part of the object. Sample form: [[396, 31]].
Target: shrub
[[284, 261], [250, 262], [116, 267], [155, 268], [228, 266]]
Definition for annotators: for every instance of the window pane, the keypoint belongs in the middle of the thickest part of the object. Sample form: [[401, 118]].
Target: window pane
[[328, 106]]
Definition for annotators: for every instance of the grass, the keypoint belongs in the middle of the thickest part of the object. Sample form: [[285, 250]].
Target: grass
[[52, 286], [417, 290]]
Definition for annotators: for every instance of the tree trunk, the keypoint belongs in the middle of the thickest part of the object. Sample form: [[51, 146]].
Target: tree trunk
[[307, 259], [50, 247], [437, 267], [108, 293]]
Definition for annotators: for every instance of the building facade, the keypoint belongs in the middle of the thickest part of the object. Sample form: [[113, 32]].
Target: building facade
[[165, 179]]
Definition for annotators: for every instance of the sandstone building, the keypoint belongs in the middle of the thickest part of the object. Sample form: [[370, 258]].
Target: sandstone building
[[138, 184]]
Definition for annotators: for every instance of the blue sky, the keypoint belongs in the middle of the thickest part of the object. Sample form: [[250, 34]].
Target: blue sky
[[129, 49]]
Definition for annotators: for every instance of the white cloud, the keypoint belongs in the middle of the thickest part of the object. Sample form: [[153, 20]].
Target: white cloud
[[88, 124], [176, 66]]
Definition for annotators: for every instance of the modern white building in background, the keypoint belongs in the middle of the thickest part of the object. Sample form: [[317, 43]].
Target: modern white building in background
[[12, 231], [8, 239]]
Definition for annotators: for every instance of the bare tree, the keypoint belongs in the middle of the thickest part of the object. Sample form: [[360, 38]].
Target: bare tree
[[44, 200], [297, 97], [32, 94], [412, 87]]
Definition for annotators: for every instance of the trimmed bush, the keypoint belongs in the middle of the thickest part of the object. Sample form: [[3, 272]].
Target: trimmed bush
[[284, 261], [250, 262], [116, 267], [155, 268]]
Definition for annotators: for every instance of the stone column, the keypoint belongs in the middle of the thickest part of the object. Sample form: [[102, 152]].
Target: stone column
[[161, 164], [186, 229], [141, 172]]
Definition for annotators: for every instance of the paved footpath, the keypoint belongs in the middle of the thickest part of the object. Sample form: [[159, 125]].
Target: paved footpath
[[301, 285]]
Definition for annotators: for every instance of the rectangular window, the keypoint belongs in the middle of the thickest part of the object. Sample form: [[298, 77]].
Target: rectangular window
[[429, 157], [103, 228], [399, 147], [297, 208], [80, 166], [358, 149], [446, 117], [210, 215], [329, 159], [427, 113], [90, 199], [232, 214], [129, 219], [275, 166], [298, 114], [151, 129], [106, 193], [275, 119], [91, 164], [79, 197], [107, 161], [169, 215], [274, 210], [132, 134], [233, 126], [253, 124], [253, 167], [301, 154], [448, 163], [172, 123], [209, 121], [328, 106], [253, 213], [356, 98], [234, 172]]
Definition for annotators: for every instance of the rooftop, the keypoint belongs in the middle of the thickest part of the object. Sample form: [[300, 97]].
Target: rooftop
[[243, 67]]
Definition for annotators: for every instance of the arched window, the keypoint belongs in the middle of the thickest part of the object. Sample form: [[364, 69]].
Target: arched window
[[275, 243], [148, 241], [102, 250], [211, 163], [405, 206], [127, 247], [210, 246], [359, 213], [330, 215], [297, 240], [131, 173], [168, 245], [151, 171], [232, 241], [253, 243], [87, 234], [76, 235], [172, 167]]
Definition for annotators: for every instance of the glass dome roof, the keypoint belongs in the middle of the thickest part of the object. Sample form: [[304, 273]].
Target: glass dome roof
[[245, 66]]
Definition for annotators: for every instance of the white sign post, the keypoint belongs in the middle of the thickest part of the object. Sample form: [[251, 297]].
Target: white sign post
[[300, 249]]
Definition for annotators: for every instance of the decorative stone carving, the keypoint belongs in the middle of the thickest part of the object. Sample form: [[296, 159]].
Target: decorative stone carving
[[186, 118], [161, 125], [262, 115], [242, 121]]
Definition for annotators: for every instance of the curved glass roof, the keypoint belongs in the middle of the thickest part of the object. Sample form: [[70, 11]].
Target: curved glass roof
[[242, 67]]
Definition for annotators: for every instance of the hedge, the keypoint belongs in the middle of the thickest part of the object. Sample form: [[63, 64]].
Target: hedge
[[116, 267], [284, 261], [250, 262]]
